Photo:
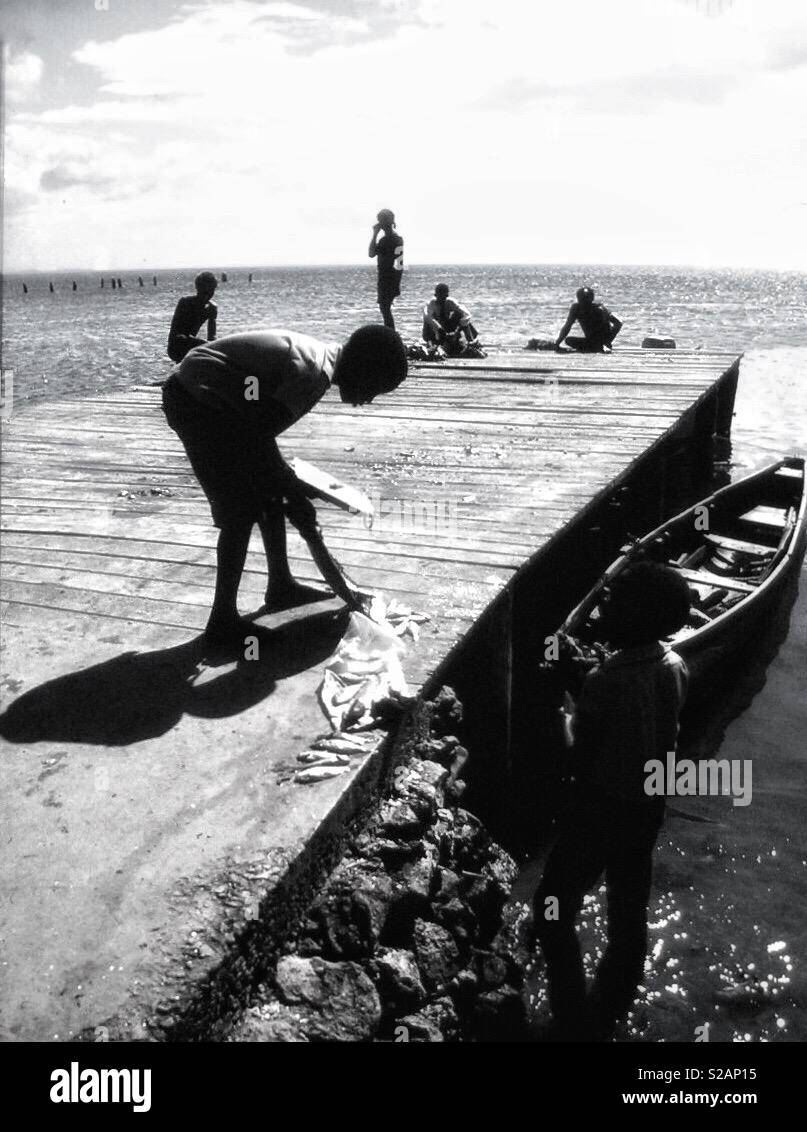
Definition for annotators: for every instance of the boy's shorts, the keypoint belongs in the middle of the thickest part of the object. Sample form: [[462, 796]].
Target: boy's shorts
[[238, 474], [389, 287], [590, 345]]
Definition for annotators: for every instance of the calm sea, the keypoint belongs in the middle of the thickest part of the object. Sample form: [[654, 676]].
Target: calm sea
[[90, 339], [731, 886]]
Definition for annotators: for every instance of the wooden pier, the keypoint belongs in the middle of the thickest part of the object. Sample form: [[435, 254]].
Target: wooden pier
[[134, 778]]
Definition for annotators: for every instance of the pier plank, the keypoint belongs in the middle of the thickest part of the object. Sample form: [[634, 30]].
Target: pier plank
[[497, 455]]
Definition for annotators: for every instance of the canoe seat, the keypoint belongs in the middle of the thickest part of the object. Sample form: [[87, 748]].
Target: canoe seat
[[703, 578], [788, 475], [772, 517], [756, 549]]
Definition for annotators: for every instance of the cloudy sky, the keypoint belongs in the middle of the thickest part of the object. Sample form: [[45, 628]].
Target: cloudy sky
[[160, 133]]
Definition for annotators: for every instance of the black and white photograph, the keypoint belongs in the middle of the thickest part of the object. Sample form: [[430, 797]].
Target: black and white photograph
[[404, 421]]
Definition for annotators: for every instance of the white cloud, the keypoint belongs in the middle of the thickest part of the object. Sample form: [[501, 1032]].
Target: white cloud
[[111, 111], [272, 133], [23, 75]]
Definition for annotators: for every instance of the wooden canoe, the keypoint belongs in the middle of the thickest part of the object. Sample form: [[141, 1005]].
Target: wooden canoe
[[738, 549]]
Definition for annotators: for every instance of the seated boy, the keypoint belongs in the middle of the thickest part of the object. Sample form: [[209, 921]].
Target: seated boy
[[445, 319], [191, 311], [626, 714], [228, 400], [599, 326]]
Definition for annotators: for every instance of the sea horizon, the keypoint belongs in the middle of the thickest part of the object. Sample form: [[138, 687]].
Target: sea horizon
[[411, 264], [93, 338]]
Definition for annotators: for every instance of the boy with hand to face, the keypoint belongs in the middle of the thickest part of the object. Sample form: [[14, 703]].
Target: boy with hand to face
[[386, 246]]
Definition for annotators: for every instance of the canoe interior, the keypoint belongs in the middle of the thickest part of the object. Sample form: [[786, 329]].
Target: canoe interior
[[733, 549]]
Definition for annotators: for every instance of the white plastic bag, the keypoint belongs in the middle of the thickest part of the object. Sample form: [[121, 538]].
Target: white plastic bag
[[365, 668]]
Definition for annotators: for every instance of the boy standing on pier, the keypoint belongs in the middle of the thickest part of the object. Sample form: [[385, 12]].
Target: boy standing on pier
[[190, 313], [627, 713], [388, 249], [228, 401]]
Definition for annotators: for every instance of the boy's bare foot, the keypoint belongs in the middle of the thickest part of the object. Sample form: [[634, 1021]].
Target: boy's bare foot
[[227, 633], [291, 595]]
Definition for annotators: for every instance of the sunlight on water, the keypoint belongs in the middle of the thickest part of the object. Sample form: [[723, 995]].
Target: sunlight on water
[[93, 339]]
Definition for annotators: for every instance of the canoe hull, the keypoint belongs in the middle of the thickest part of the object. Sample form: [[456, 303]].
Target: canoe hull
[[710, 648]]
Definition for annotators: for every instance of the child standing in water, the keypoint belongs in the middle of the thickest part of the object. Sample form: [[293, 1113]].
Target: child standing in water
[[627, 713]]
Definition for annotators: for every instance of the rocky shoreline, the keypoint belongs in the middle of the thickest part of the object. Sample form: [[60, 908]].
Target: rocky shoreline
[[411, 937]]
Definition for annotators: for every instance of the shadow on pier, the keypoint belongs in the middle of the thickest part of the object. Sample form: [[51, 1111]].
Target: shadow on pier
[[137, 696]]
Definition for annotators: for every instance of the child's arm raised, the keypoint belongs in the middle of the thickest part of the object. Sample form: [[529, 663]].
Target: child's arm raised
[[373, 249], [566, 713], [211, 313], [590, 714]]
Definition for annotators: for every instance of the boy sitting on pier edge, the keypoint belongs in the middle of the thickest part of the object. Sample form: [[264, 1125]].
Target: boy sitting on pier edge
[[599, 326], [626, 714], [227, 401], [191, 311]]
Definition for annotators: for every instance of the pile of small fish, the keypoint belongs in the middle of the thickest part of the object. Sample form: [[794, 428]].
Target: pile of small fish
[[330, 755], [399, 617]]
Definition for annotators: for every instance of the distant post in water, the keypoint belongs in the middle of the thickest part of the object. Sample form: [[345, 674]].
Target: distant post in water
[[102, 282], [154, 280], [120, 285], [140, 280], [224, 276], [113, 284], [250, 276], [6, 393], [75, 288], [25, 288], [50, 288]]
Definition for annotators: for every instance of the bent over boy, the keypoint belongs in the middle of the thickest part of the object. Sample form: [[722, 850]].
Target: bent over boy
[[227, 401]]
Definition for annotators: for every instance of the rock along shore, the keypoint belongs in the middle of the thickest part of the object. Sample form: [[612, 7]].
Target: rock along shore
[[409, 939]]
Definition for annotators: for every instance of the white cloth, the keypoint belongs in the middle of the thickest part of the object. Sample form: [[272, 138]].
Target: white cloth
[[439, 311]]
